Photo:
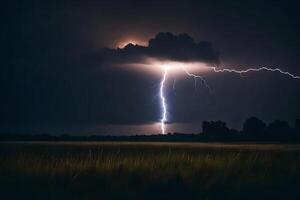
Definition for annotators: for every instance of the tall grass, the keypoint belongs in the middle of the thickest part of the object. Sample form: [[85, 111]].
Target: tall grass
[[112, 170]]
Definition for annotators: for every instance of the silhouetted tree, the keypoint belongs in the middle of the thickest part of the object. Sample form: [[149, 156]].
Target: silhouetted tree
[[254, 127], [215, 129], [279, 130]]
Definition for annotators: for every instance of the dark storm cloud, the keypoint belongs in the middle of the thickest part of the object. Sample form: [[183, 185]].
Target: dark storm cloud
[[164, 46]]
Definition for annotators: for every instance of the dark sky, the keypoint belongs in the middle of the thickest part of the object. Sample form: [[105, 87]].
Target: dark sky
[[52, 80]]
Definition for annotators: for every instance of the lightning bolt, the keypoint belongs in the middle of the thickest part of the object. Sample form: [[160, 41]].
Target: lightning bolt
[[255, 70], [163, 100], [195, 76]]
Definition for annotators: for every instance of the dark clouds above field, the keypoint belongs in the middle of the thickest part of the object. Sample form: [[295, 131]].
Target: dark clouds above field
[[54, 69], [164, 46]]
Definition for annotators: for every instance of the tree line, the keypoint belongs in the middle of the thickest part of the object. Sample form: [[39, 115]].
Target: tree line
[[253, 129]]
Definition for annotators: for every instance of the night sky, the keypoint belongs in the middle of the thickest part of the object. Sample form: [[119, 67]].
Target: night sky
[[61, 71]]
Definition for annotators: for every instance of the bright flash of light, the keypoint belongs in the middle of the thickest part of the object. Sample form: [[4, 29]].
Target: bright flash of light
[[175, 66], [163, 100], [134, 41]]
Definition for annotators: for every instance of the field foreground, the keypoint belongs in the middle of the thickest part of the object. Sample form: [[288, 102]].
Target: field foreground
[[148, 170]]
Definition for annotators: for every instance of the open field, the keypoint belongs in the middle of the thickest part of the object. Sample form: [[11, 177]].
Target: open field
[[148, 170]]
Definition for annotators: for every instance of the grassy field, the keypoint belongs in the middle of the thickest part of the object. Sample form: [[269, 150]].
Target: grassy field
[[145, 170]]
